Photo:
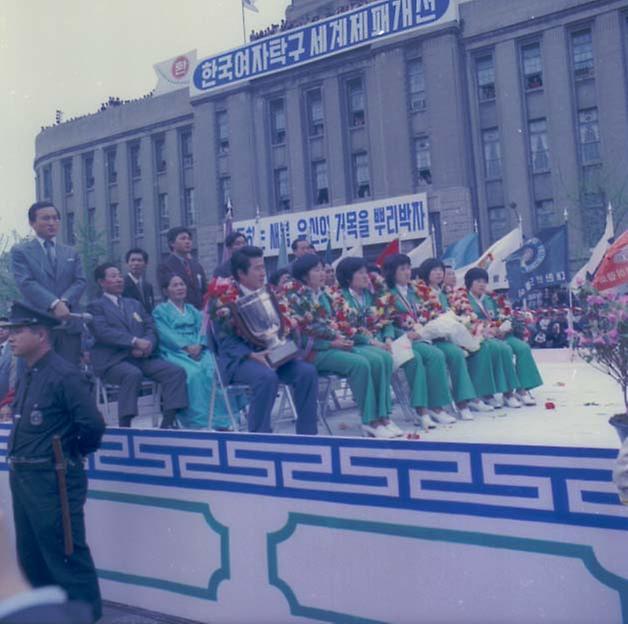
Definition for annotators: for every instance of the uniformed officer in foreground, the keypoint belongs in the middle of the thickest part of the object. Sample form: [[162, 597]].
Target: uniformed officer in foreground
[[52, 400]]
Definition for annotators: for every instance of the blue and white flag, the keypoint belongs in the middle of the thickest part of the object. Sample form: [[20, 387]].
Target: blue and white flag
[[463, 252], [250, 5], [540, 263]]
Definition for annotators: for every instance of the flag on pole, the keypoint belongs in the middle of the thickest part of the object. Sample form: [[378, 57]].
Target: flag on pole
[[250, 5], [590, 267], [463, 252], [228, 227], [493, 260], [355, 252], [391, 249], [421, 252], [282, 261], [613, 270], [540, 262], [327, 259]]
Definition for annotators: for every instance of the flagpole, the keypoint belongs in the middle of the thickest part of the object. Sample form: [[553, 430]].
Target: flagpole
[[433, 234], [243, 22], [569, 293]]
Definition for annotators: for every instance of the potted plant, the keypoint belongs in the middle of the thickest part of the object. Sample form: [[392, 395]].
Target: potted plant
[[601, 339]]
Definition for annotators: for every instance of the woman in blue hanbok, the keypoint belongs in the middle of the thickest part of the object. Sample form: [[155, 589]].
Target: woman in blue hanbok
[[178, 325]]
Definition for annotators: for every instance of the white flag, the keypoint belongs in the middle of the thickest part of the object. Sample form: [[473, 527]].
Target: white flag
[[250, 5], [421, 252], [493, 260], [355, 252], [597, 254], [175, 73]]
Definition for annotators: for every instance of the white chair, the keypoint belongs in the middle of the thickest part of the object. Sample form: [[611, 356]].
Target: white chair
[[106, 400]]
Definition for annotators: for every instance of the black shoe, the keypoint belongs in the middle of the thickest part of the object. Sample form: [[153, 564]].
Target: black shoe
[[169, 421], [125, 421]]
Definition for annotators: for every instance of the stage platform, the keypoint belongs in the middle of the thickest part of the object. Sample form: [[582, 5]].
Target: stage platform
[[505, 519]]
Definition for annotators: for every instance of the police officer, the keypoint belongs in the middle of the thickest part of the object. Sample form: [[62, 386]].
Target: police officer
[[52, 400]]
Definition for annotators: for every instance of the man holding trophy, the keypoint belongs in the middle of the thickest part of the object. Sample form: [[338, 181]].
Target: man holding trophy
[[252, 350]]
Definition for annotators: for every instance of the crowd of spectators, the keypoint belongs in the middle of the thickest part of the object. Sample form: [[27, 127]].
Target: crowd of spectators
[[289, 24], [110, 103]]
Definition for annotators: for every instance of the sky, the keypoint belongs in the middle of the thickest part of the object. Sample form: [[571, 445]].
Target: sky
[[73, 54]]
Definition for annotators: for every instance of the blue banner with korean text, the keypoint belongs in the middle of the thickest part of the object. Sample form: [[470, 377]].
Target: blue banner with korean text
[[541, 262], [378, 221], [320, 39]]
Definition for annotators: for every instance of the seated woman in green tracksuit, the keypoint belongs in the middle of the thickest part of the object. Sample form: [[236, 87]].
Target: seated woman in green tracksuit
[[476, 378], [427, 371], [522, 376], [335, 346]]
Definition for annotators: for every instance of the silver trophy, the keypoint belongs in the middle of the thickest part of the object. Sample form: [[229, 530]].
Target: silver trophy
[[259, 321]]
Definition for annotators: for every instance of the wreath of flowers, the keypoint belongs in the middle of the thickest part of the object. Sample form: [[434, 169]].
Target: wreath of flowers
[[220, 297], [461, 305], [431, 307]]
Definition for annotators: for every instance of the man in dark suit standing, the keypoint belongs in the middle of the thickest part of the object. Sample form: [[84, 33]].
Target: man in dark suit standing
[[135, 284], [50, 277], [124, 351], [233, 242], [180, 262], [243, 363]]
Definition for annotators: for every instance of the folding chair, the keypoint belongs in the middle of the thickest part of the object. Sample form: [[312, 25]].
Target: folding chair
[[106, 391]]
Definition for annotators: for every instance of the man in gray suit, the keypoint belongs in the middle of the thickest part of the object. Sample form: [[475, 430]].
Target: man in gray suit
[[50, 277], [125, 350]]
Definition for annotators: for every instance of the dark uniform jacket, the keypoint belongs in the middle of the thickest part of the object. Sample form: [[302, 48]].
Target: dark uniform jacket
[[65, 613], [195, 280], [54, 398], [114, 329], [145, 296]]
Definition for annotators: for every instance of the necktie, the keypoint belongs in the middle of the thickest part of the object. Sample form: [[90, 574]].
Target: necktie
[[50, 253], [140, 287], [187, 267]]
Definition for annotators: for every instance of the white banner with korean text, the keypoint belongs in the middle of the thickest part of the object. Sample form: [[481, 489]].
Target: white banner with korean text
[[373, 222]]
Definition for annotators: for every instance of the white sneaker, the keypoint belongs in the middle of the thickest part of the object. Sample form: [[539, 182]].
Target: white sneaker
[[495, 401], [425, 422], [465, 414], [526, 398], [395, 429], [511, 401], [381, 432], [442, 418], [480, 406]]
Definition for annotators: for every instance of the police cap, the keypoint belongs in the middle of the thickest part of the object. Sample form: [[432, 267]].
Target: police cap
[[23, 315]]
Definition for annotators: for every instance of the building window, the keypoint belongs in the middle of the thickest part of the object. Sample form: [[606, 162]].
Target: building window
[[361, 177], [163, 213], [68, 182], [582, 49], [589, 134], [134, 158], [187, 157], [112, 172], [315, 114], [160, 154], [320, 183], [114, 222], [47, 171], [91, 223], [278, 122], [485, 71], [497, 223], [545, 215], [88, 169], [532, 66], [225, 191], [189, 208], [282, 189], [138, 217], [539, 148], [222, 131], [492, 154], [69, 228], [416, 85], [423, 161], [355, 98]]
